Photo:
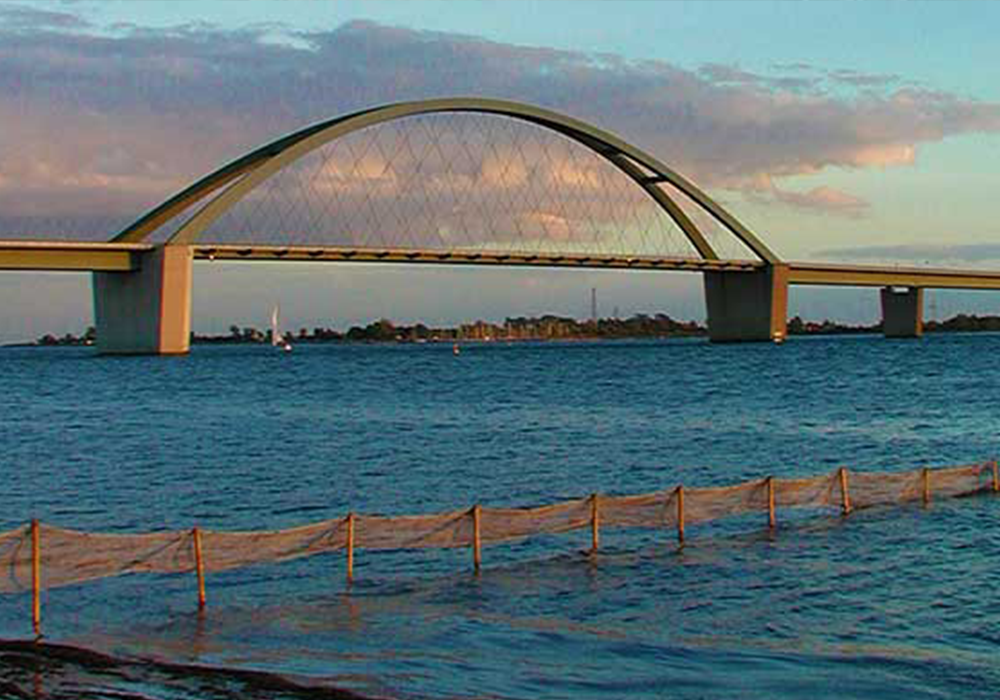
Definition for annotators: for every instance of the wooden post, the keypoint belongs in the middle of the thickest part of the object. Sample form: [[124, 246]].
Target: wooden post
[[845, 496], [595, 524], [770, 502], [350, 547], [477, 540], [996, 477], [925, 478], [36, 580], [680, 515], [199, 567]]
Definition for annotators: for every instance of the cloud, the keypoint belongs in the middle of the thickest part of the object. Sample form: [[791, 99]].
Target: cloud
[[23, 18], [722, 73], [102, 125], [794, 66], [824, 199], [857, 79]]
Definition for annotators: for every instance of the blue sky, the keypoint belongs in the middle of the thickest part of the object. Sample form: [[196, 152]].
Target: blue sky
[[946, 43], [949, 45], [889, 151]]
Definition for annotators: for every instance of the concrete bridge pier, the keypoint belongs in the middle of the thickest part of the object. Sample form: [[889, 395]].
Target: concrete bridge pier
[[747, 306], [902, 312], [146, 311]]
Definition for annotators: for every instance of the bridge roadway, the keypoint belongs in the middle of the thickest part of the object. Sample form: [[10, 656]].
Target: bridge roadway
[[125, 257]]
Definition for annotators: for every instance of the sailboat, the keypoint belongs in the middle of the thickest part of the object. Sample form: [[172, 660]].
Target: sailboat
[[277, 339]]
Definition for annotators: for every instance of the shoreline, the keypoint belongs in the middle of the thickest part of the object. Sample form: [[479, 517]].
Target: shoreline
[[226, 340], [535, 329]]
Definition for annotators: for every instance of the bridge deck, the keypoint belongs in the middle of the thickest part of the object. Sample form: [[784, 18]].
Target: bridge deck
[[890, 276], [70, 256], [123, 257], [468, 257]]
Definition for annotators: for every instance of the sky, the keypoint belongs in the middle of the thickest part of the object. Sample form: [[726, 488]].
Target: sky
[[841, 131]]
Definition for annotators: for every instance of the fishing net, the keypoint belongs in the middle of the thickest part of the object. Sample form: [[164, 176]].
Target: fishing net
[[452, 529], [69, 556], [649, 510], [500, 524], [959, 481], [15, 560], [881, 489], [815, 492], [724, 501], [232, 550]]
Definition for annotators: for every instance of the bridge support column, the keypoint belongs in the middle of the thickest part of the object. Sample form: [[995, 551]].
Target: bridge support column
[[147, 311], [903, 312], [747, 306]]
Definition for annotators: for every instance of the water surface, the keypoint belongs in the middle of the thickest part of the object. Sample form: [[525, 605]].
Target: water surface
[[886, 603]]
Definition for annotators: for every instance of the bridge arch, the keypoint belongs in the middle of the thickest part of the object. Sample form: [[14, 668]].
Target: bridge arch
[[237, 179]]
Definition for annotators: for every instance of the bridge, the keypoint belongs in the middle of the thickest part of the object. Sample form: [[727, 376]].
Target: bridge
[[475, 193]]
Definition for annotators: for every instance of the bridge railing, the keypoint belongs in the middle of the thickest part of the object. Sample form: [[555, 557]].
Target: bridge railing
[[37, 555]]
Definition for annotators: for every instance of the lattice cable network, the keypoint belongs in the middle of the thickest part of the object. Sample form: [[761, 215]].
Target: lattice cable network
[[455, 181]]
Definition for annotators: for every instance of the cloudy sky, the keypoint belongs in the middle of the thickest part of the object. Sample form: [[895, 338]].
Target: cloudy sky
[[835, 130]]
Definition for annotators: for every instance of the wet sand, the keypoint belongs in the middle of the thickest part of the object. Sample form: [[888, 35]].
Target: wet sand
[[38, 670]]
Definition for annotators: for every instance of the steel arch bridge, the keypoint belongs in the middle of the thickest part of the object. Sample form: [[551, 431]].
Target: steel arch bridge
[[142, 279], [242, 176]]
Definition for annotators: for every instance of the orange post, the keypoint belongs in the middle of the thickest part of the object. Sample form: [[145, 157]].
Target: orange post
[[477, 539], [770, 502], [680, 515], [350, 547], [199, 566], [595, 524], [925, 478], [996, 477], [845, 496], [36, 580]]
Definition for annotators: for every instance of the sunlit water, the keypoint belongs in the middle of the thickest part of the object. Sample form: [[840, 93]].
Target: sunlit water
[[894, 602]]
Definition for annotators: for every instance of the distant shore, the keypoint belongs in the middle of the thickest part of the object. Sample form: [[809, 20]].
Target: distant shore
[[542, 328]]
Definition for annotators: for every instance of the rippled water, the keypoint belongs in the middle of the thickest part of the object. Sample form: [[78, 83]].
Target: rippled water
[[886, 603]]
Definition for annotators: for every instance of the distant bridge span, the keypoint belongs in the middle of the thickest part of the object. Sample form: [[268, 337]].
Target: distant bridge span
[[142, 290]]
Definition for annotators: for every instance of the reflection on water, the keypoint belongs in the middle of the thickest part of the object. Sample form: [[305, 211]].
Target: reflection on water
[[889, 603]]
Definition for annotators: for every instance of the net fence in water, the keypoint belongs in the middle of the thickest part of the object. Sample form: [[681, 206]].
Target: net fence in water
[[38, 555]]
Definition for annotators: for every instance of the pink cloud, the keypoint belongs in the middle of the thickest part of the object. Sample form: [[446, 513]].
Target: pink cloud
[[94, 125], [824, 199]]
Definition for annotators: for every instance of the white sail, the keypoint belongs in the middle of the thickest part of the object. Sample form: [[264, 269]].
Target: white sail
[[278, 340], [275, 333]]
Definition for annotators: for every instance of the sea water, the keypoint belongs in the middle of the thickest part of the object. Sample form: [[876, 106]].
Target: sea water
[[888, 602]]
